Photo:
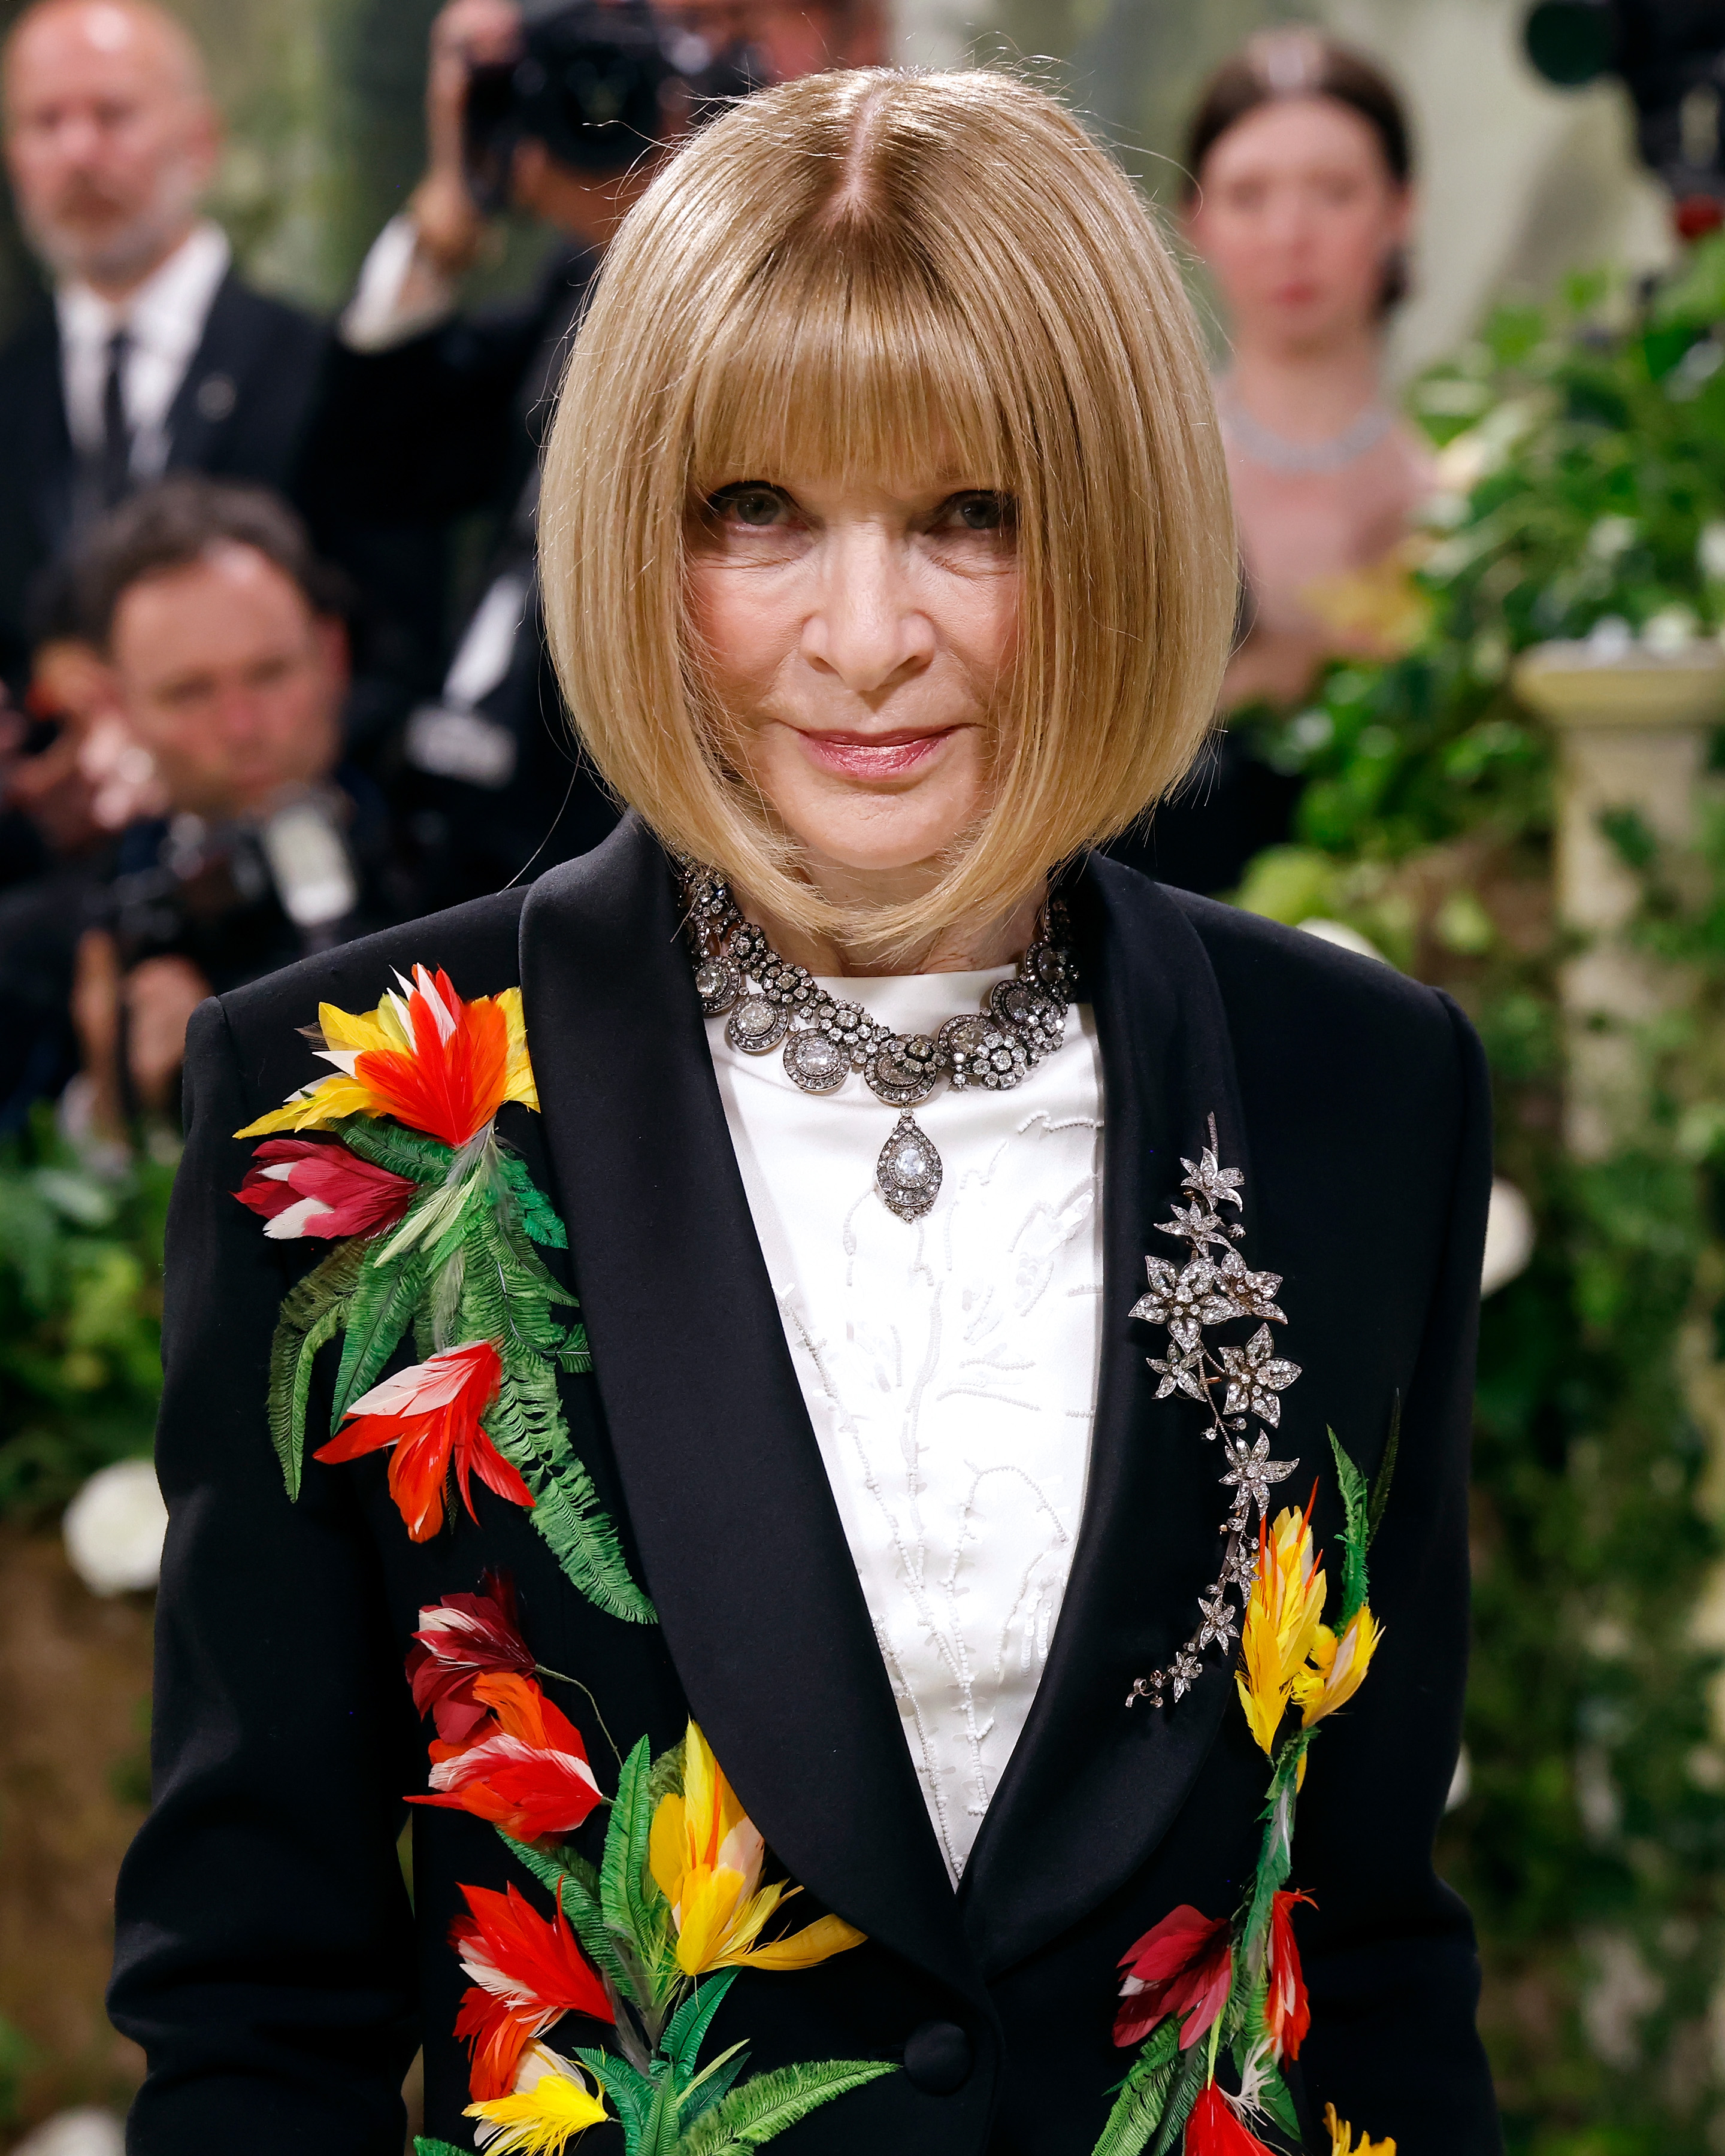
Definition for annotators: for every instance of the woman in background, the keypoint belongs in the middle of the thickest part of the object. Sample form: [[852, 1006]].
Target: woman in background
[[1300, 200]]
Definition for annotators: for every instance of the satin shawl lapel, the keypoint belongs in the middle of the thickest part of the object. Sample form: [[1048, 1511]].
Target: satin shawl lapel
[[1092, 1787], [740, 1540]]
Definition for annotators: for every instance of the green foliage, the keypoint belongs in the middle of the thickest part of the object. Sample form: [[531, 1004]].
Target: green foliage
[[80, 1318], [459, 1265], [1138, 2105], [1355, 1535], [666, 2102], [1583, 449]]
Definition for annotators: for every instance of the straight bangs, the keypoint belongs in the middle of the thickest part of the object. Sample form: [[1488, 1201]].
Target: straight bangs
[[825, 369], [871, 275]]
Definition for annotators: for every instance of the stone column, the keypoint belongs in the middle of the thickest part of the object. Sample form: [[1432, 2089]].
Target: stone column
[[1632, 733]]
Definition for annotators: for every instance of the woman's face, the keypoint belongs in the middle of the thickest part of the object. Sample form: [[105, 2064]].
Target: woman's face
[[859, 639], [1297, 216]]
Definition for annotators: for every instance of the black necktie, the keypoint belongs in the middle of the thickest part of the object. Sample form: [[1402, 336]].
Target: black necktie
[[114, 469]]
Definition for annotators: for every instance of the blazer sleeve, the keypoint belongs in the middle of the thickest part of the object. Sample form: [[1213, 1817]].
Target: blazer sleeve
[[264, 1953], [1389, 1953]]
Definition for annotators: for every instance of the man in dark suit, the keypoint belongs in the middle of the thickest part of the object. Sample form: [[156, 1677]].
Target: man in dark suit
[[152, 355]]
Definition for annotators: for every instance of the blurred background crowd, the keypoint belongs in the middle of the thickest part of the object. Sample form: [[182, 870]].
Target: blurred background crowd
[[283, 297]]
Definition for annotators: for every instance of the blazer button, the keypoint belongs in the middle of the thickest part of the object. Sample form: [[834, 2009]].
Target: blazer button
[[938, 2057]]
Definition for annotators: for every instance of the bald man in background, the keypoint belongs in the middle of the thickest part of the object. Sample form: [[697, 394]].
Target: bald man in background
[[152, 355]]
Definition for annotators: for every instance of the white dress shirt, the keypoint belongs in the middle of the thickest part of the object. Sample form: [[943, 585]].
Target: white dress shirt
[[164, 320], [401, 293], [949, 1363]]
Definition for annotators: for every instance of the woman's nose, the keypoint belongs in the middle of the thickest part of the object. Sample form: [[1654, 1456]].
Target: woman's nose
[[868, 626]]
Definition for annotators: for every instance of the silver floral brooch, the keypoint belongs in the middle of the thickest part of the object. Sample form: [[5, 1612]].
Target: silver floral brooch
[[1234, 1384]]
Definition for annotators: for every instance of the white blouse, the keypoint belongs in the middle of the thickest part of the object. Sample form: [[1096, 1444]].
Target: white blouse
[[949, 1363]]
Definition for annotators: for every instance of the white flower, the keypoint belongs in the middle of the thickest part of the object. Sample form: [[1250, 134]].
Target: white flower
[[1610, 536], [114, 1529], [85, 2132], [1509, 1237]]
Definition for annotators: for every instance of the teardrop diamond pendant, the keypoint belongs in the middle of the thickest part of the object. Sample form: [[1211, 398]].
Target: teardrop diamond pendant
[[908, 1173]]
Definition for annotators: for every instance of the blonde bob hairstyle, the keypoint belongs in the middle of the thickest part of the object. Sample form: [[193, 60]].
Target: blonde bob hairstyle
[[873, 273]]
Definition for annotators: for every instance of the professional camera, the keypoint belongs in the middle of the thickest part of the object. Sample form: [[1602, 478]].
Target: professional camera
[[598, 82], [1671, 56]]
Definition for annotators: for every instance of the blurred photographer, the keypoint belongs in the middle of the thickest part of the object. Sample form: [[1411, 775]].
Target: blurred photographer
[[558, 109], [228, 662]]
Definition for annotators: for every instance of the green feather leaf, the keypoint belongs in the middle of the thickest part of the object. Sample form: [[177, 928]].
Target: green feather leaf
[[623, 1869], [713, 2085], [767, 2105], [631, 2092], [1193, 2071], [379, 1312], [525, 1423], [312, 1312], [1138, 2110], [1356, 1533], [423, 2145], [563, 1873], [539, 1216], [424, 1160], [682, 2039]]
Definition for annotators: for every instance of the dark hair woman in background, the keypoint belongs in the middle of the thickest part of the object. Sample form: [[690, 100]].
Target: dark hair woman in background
[[1299, 196]]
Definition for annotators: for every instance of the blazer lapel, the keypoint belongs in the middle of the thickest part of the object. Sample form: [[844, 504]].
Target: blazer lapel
[[209, 390], [1093, 1785], [741, 1543]]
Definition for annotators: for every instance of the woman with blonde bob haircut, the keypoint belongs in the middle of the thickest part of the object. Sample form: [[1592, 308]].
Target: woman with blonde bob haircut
[[876, 1536]]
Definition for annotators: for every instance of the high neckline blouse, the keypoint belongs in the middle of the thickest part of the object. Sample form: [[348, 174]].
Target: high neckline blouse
[[949, 1364]]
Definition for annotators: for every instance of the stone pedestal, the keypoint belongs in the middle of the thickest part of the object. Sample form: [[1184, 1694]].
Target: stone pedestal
[[1632, 733]]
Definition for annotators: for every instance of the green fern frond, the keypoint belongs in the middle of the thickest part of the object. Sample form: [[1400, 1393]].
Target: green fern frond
[[1194, 2072], [687, 2030], [423, 1160], [379, 1312], [624, 1890], [767, 2105], [632, 2094], [312, 1312], [1138, 2110], [539, 1216], [712, 2085], [423, 2145], [571, 1878]]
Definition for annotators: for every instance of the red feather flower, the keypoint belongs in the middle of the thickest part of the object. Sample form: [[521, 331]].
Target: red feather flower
[[1213, 2130], [1286, 2012], [431, 1414], [528, 1775], [307, 1187], [455, 1077], [1182, 1966], [463, 1637], [526, 1973]]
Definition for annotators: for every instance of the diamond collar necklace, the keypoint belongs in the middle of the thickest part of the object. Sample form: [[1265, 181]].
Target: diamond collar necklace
[[768, 1004]]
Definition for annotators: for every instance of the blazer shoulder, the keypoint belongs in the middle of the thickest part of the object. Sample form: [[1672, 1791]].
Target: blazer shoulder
[[477, 945], [1269, 974], [1328, 1042], [33, 347]]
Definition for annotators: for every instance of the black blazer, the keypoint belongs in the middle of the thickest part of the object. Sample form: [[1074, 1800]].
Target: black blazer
[[240, 412], [268, 1958]]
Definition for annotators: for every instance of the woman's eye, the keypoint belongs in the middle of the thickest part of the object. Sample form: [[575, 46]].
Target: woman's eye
[[980, 512], [753, 506]]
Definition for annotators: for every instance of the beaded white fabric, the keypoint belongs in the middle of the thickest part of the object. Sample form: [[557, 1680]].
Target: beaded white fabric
[[949, 1363]]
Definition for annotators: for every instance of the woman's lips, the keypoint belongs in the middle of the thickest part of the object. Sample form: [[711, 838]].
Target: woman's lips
[[871, 756]]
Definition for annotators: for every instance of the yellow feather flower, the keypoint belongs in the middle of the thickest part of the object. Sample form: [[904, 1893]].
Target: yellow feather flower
[[414, 1030], [1343, 2142], [1338, 1667], [1284, 1616], [542, 2115], [706, 1854]]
